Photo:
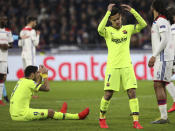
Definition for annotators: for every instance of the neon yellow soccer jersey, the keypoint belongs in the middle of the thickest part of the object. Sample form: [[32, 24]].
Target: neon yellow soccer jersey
[[118, 41], [21, 96]]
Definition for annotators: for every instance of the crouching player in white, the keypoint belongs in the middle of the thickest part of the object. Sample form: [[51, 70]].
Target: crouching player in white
[[163, 56], [170, 87], [6, 40], [21, 96]]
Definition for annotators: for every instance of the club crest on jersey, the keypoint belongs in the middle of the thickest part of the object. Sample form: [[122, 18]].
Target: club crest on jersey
[[162, 26], [124, 32], [107, 84]]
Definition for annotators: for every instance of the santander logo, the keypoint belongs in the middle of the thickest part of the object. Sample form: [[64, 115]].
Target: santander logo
[[88, 68]]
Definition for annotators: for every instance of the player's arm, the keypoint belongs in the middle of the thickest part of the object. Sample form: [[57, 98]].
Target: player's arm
[[164, 39], [22, 37], [10, 40], [35, 37], [44, 76], [141, 22], [101, 27]]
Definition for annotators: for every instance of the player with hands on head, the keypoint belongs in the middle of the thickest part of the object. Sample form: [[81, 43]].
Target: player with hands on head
[[119, 70], [20, 98]]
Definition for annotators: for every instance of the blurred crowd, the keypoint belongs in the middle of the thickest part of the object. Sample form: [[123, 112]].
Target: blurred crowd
[[73, 22]]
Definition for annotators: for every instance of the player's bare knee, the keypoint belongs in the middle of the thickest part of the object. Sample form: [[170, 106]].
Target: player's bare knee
[[51, 113], [131, 93], [108, 95]]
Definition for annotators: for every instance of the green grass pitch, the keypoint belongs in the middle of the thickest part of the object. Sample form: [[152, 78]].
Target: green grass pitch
[[80, 95]]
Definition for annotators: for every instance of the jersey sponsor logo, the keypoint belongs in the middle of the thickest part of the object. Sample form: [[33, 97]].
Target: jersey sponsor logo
[[117, 41], [162, 26]]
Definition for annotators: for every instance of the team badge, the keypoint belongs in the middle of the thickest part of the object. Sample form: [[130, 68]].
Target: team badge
[[107, 84], [124, 32]]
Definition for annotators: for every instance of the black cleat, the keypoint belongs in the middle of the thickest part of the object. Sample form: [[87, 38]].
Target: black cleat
[[160, 121]]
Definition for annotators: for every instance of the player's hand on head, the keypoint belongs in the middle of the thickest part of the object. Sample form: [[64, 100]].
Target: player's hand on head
[[126, 7], [110, 7], [43, 69]]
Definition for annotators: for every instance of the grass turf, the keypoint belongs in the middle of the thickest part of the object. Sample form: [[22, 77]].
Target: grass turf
[[80, 95]]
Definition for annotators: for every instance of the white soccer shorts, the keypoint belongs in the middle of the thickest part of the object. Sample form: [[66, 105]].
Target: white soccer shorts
[[163, 71]]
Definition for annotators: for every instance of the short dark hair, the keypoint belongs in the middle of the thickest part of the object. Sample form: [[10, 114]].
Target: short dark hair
[[30, 19], [29, 70], [171, 12], [116, 10], [160, 6]]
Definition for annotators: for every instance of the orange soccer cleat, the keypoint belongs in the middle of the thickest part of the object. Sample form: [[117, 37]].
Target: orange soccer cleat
[[137, 125], [82, 115], [102, 123]]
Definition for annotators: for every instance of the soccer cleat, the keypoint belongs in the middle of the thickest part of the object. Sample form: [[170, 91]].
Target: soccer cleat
[[6, 99], [160, 121], [172, 108], [102, 123], [2, 103], [64, 108], [82, 115], [137, 125]]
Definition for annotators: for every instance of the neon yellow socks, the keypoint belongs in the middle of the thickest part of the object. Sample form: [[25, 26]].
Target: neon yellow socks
[[65, 116], [103, 107], [134, 107]]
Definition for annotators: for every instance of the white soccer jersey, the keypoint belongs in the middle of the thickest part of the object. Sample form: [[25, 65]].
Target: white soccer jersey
[[29, 44], [5, 38], [162, 25]]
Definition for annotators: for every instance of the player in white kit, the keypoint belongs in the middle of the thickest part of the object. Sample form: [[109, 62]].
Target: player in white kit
[[170, 87], [29, 40], [163, 56], [6, 41]]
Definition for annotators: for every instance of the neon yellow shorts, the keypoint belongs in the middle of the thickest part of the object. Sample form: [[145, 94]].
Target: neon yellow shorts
[[117, 77], [31, 114]]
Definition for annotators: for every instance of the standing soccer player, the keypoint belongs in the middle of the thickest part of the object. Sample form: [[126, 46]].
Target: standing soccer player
[[119, 66], [163, 56], [29, 40], [170, 87], [20, 98], [6, 41]]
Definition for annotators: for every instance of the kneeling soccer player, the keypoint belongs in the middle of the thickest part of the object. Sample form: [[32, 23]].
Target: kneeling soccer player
[[21, 95], [119, 67]]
